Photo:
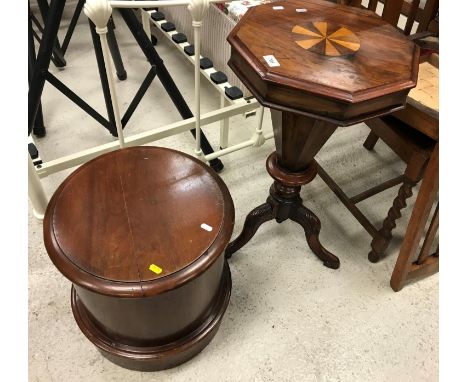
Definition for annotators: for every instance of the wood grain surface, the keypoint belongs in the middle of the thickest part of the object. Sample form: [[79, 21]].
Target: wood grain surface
[[122, 212], [366, 71]]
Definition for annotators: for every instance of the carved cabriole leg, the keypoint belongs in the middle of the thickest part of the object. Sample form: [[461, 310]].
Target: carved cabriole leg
[[311, 224], [298, 139], [253, 221]]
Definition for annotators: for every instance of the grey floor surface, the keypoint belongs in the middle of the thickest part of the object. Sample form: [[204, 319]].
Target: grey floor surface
[[289, 318]]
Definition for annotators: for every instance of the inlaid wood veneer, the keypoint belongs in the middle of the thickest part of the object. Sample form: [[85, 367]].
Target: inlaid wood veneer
[[326, 39]]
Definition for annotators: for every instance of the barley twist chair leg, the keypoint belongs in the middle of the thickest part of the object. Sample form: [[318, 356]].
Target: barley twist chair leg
[[382, 240]]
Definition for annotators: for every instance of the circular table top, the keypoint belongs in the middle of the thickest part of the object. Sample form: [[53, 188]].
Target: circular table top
[[290, 50], [138, 218]]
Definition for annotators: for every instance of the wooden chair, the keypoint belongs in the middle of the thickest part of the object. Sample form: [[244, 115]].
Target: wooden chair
[[412, 264], [412, 10], [412, 133]]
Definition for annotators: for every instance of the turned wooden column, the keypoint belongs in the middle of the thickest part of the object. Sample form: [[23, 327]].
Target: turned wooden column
[[317, 65]]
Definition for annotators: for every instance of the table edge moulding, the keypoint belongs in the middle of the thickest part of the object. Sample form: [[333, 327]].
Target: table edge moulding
[[270, 87]]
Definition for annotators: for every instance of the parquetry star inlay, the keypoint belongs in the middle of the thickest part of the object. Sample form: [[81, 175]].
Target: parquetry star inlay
[[326, 39]]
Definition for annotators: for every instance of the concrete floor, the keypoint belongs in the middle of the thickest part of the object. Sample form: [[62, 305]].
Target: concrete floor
[[290, 318]]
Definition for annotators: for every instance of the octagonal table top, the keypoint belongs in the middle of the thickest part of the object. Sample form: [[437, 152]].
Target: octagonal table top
[[314, 47]]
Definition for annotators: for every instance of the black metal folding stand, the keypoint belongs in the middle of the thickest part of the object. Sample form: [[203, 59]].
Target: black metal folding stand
[[72, 25], [58, 52], [38, 128], [40, 73]]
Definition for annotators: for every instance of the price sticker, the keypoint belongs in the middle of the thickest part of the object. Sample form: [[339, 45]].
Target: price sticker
[[154, 268], [271, 60]]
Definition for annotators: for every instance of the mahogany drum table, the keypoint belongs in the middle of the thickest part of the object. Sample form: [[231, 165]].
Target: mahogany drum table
[[141, 232], [317, 65]]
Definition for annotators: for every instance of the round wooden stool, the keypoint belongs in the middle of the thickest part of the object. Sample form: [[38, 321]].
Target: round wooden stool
[[141, 232]]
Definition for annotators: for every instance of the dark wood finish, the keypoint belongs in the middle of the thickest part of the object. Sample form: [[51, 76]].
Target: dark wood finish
[[393, 9], [412, 133], [298, 139], [373, 5], [371, 140], [368, 226], [377, 189], [411, 16], [381, 241], [430, 236], [344, 89], [157, 332], [412, 147], [426, 123], [411, 265], [313, 90], [136, 217], [354, 3], [118, 215], [430, 12]]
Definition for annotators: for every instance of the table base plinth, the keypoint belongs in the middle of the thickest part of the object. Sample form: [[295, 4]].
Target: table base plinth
[[154, 357], [285, 203]]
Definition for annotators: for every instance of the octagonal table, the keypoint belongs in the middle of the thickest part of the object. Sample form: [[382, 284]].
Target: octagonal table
[[317, 65]]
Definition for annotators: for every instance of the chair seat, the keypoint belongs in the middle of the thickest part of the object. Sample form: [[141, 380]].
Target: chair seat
[[426, 92], [422, 108]]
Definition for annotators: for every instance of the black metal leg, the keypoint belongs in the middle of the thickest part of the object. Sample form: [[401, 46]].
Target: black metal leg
[[72, 96], [71, 27], [103, 76], [38, 128], [38, 74], [114, 49], [43, 60], [57, 54], [39, 71], [152, 56], [139, 95]]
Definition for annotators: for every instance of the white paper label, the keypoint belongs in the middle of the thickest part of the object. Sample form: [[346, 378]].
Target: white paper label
[[278, 7], [271, 60], [301, 10], [207, 227]]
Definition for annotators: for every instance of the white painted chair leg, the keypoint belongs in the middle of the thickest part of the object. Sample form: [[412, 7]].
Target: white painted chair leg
[[224, 126], [145, 22], [258, 137], [36, 191]]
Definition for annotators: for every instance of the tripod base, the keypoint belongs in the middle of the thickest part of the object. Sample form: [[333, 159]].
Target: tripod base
[[285, 203]]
